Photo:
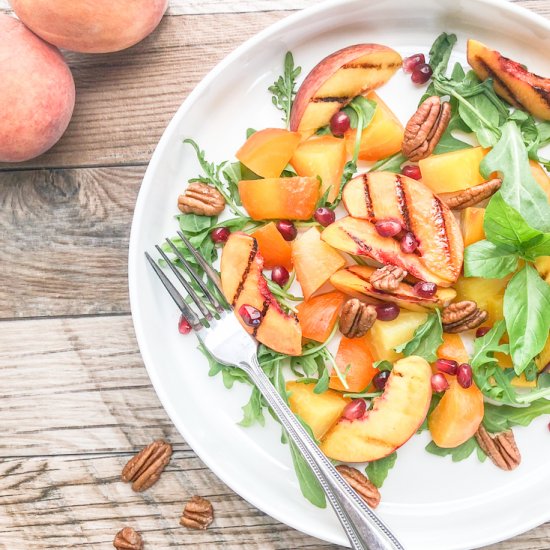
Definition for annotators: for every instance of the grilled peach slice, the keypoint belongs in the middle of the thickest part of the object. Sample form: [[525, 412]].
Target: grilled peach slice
[[325, 157], [314, 261], [393, 419], [276, 198], [382, 137], [336, 80], [511, 80], [354, 280], [243, 283], [268, 151], [320, 411], [355, 360], [319, 314], [273, 248]]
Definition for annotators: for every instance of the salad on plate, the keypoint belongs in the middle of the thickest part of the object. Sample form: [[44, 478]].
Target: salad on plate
[[396, 276]]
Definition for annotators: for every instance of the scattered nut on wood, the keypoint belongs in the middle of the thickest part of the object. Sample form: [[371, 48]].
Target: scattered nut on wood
[[128, 539], [144, 469], [197, 514]]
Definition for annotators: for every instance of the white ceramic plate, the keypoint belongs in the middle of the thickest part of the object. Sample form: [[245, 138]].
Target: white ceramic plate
[[430, 502]]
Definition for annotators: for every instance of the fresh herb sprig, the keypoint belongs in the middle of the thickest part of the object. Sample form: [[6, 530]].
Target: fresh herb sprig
[[284, 88], [426, 339]]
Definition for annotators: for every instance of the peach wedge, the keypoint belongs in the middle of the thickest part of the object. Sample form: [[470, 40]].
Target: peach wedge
[[392, 421], [337, 79], [243, 283]]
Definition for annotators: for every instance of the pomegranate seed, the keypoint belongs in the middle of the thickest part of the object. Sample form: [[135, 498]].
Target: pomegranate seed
[[412, 171], [408, 243], [387, 311], [183, 325], [446, 365], [339, 123], [464, 375], [545, 369], [380, 380], [482, 331], [287, 229], [411, 62], [220, 234], [354, 410], [425, 289], [280, 275], [421, 73], [324, 216], [250, 315], [388, 228], [439, 382]]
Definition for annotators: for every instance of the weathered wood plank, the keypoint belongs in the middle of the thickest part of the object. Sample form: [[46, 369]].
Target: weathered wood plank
[[125, 100], [64, 239]]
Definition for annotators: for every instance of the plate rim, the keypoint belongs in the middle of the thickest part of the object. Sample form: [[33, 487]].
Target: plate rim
[[134, 253]]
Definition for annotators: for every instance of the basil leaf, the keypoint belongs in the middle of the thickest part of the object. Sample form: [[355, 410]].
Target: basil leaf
[[193, 224], [440, 52], [377, 470], [519, 188], [360, 105], [426, 339], [500, 418], [459, 453], [488, 260], [527, 314], [482, 117], [253, 410]]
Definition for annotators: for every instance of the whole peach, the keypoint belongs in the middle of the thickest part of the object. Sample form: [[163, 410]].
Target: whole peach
[[37, 93], [91, 26]]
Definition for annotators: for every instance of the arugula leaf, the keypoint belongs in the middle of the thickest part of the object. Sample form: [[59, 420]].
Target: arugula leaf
[[389, 164], [323, 382], [377, 470], [440, 52], [253, 410], [500, 418], [459, 453], [488, 260], [527, 314], [309, 485], [426, 339], [383, 365], [284, 88], [519, 188], [360, 106]]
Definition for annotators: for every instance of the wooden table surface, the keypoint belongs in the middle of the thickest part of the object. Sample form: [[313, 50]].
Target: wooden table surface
[[76, 399]]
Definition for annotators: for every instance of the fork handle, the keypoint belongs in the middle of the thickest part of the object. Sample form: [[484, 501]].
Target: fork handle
[[364, 529]]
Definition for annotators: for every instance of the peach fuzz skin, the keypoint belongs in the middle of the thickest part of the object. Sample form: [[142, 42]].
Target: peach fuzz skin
[[37, 91], [91, 26]]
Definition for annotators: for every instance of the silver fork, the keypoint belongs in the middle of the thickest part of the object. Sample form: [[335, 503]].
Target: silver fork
[[219, 330]]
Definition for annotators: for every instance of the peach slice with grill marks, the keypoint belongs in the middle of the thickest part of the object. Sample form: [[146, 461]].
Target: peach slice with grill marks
[[511, 80], [336, 80], [355, 281], [377, 196], [243, 283], [393, 419]]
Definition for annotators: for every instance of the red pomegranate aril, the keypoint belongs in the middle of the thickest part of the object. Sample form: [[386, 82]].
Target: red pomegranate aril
[[425, 289], [380, 380], [220, 234], [464, 375], [439, 382], [446, 365], [388, 228], [287, 229], [421, 73], [280, 275], [339, 123], [482, 331], [355, 409], [324, 216], [408, 243], [387, 312], [412, 171], [183, 326], [411, 62], [250, 315]]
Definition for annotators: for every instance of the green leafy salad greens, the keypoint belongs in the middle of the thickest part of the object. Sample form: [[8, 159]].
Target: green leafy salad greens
[[517, 229]]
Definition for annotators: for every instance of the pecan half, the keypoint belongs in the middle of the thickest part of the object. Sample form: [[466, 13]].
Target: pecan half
[[360, 484], [462, 316], [201, 199], [425, 128], [387, 278], [501, 448], [128, 539], [356, 318], [197, 514], [459, 200], [144, 469]]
